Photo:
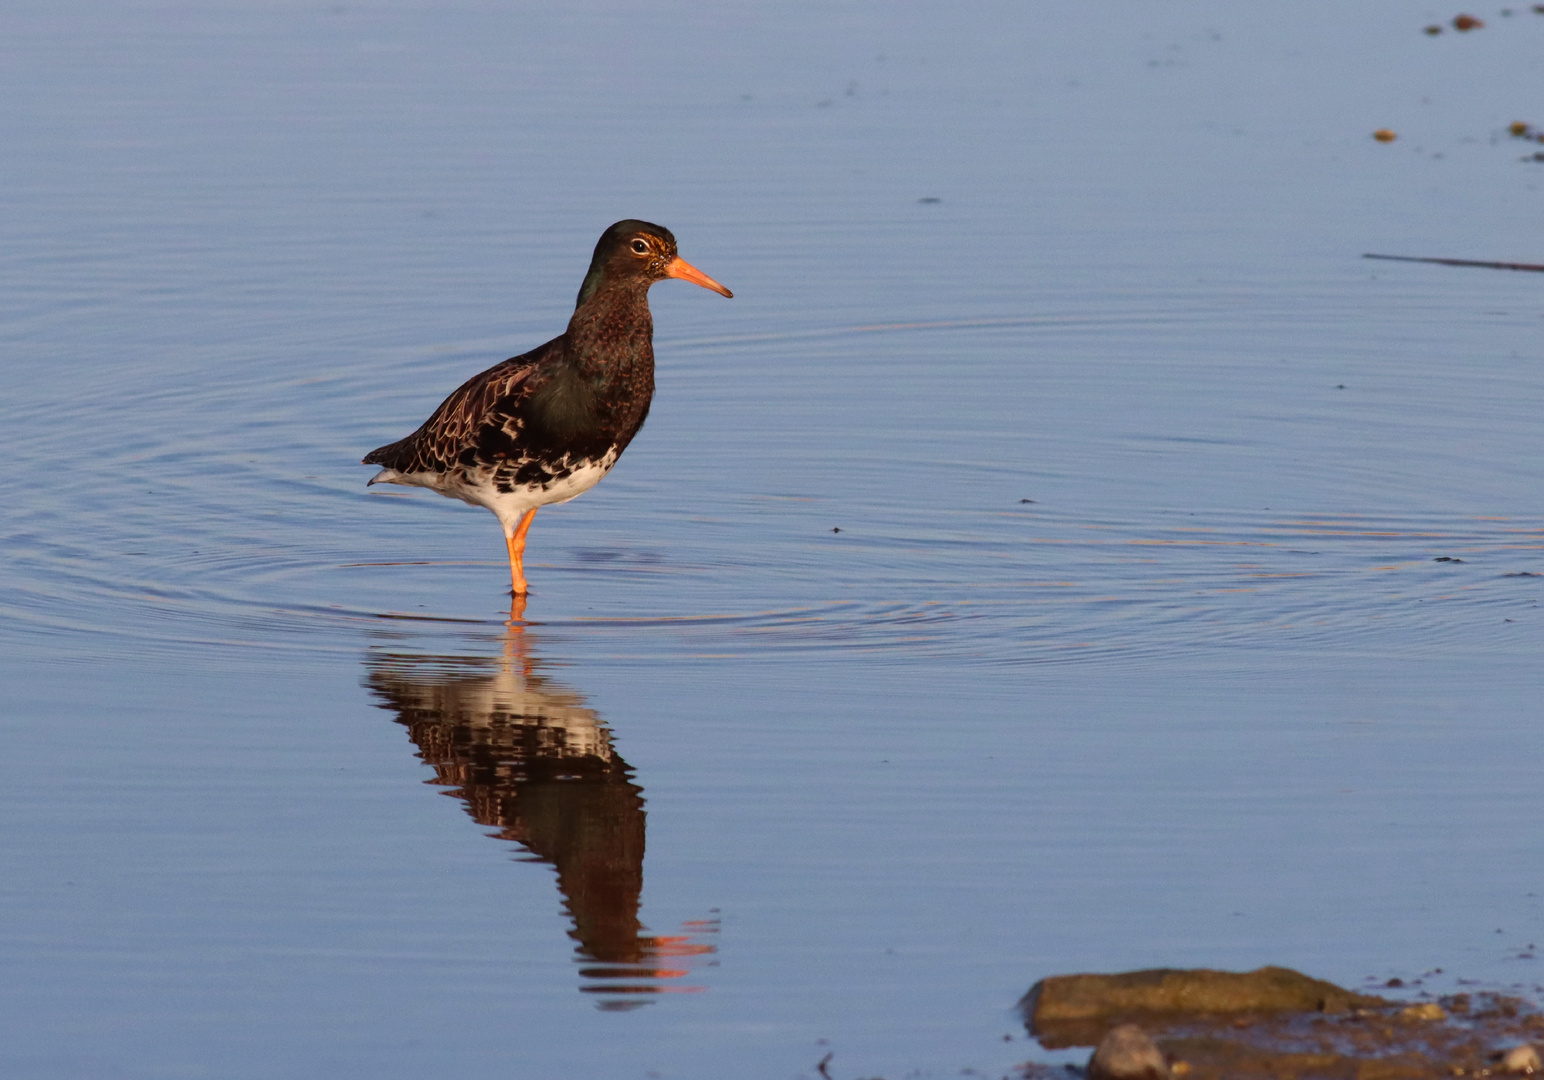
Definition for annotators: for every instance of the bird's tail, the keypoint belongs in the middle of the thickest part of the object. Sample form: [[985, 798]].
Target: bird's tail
[[390, 458]]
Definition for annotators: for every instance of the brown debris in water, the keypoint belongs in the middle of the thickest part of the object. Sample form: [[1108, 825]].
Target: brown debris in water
[[1384, 135], [1276, 1024], [1519, 129], [1532, 267]]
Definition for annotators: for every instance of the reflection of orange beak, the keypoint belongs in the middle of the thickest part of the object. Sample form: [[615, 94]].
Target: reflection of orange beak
[[680, 268]]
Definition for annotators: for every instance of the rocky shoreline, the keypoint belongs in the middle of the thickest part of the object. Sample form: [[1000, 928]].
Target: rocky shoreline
[[1273, 1023]]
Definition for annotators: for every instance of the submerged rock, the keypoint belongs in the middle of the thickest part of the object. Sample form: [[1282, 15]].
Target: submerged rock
[[1075, 1010]]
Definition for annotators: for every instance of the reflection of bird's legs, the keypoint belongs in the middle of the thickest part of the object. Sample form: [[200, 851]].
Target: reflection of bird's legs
[[516, 613], [514, 638], [516, 544]]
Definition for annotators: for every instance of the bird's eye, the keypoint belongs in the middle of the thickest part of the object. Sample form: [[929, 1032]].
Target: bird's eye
[[640, 247]]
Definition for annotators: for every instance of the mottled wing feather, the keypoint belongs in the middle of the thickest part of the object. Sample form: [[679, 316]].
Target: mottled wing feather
[[489, 399]]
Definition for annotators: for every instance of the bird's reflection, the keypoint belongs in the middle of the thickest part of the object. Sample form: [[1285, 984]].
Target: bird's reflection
[[528, 757]]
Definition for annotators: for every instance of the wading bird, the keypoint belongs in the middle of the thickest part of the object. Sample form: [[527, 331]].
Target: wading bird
[[545, 426]]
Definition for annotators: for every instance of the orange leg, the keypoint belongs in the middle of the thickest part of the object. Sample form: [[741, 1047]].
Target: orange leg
[[516, 545]]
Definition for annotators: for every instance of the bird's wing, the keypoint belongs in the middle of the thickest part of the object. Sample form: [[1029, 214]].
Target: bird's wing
[[491, 398]]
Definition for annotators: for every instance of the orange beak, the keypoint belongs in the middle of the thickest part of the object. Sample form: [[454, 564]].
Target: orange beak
[[680, 268]]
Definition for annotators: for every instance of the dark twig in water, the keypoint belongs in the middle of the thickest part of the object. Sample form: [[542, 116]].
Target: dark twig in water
[[1536, 267], [821, 1068]]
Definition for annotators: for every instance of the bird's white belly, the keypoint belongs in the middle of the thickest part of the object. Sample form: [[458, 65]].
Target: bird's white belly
[[571, 486], [510, 505], [482, 488]]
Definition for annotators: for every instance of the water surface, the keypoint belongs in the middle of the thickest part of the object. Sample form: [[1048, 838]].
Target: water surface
[[1099, 567]]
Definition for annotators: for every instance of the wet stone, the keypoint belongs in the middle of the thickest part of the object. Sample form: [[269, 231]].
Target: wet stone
[[1522, 1059], [1278, 1024], [1127, 1053], [1068, 1009]]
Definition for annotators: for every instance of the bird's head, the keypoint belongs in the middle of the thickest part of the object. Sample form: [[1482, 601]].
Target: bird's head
[[638, 253]]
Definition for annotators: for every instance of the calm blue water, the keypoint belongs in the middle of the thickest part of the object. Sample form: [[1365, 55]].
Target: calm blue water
[[287, 794]]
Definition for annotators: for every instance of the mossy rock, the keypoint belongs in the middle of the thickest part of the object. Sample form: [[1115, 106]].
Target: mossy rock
[[1074, 1010]]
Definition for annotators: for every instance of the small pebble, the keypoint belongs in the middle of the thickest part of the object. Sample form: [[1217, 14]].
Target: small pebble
[[1522, 1059], [1433, 30], [1127, 1053], [1384, 135], [1428, 1011], [1467, 22], [1518, 129]]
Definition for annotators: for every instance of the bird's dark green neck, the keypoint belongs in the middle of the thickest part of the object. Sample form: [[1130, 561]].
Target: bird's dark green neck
[[612, 330], [592, 281], [600, 393], [603, 277]]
